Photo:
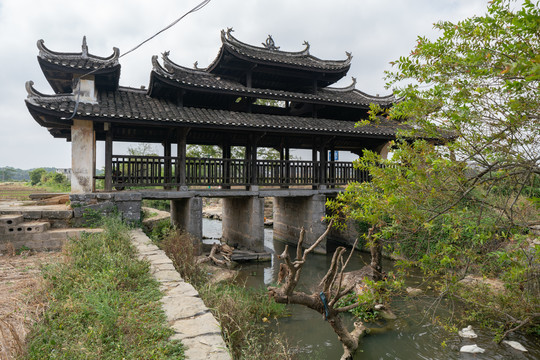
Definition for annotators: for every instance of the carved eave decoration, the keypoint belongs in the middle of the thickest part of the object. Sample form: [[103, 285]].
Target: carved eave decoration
[[61, 68]]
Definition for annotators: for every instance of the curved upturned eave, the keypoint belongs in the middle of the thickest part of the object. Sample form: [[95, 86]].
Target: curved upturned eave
[[159, 73], [168, 64], [45, 52], [231, 44]]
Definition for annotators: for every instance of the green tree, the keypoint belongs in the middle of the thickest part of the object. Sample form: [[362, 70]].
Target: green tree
[[142, 149], [204, 151], [461, 209], [480, 80], [7, 173], [36, 174]]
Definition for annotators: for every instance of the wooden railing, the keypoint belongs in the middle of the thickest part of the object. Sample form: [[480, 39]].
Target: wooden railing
[[131, 170]]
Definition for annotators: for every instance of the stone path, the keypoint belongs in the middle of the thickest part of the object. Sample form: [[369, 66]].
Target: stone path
[[187, 315]]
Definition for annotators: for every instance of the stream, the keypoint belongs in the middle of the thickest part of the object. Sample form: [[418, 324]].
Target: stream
[[411, 336]]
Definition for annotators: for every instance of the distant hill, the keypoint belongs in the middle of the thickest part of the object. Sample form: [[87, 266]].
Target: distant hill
[[8, 173]]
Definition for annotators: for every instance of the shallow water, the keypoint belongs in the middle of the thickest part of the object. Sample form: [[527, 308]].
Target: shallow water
[[412, 336]]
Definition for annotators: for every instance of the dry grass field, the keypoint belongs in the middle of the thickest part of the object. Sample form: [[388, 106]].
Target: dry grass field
[[20, 303], [17, 191]]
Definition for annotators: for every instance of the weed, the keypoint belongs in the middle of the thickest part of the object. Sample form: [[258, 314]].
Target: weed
[[103, 304], [243, 313]]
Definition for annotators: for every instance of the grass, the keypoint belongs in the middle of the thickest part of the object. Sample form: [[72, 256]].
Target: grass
[[103, 304], [244, 314]]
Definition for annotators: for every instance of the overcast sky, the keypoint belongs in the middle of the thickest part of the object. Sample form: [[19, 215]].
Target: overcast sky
[[375, 31]]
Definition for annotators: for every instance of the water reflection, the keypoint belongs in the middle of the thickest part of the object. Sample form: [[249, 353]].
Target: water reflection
[[412, 336]]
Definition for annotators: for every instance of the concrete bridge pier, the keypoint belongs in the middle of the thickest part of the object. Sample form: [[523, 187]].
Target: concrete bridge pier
[[243, 222], [187, 214], [291, 213]]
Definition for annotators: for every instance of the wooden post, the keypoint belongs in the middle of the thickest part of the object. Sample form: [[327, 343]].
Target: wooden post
[[316, 172], [108, 156], [287, 163], [226, 165], [247, 157], [167, 171], [323, 164], [181, 161], [332, 179], [253, 160]]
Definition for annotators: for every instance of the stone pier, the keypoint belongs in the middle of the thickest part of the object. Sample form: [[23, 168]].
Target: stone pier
[[187, 214], [243, 222], [293, 213]]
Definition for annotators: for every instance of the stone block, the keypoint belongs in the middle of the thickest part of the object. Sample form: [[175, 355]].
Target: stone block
[[181, 289], [58, 234], [53, 244], [204, 324], [128, 196], [211, 347], [159, 259], [10, 220], [167, 275], [105, 196], [35, 226], [77, 198], [57, 214], [154, 268], [182, 308], [32, 215], [102, 208], [130, 210], [60, 224], [14, 230]]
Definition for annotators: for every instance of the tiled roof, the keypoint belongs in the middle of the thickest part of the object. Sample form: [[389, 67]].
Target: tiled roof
[[137, 106], [273, 55], [202, 79], [78, 61]]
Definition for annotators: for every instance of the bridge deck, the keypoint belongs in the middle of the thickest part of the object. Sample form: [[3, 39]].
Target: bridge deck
[[224, 193]]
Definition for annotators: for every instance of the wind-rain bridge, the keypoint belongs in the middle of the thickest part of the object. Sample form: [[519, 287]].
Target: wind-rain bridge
[[249, 97]]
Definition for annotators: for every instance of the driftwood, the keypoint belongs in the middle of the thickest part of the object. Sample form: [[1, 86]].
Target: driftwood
[[328, 293], [222, 250]]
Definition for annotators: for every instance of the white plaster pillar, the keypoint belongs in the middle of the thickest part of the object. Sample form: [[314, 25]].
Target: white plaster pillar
[[83, 150]]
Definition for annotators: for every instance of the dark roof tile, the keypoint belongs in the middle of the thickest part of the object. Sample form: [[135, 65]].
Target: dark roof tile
[[201, 79], [127, 103]]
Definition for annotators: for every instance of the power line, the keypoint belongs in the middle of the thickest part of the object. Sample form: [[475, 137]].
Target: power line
[[195, 9]]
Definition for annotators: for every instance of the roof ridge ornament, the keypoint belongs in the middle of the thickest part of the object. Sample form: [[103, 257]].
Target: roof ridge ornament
[[196, 65], [306, 43], [270, 44], [84, 47], [349, 55]]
